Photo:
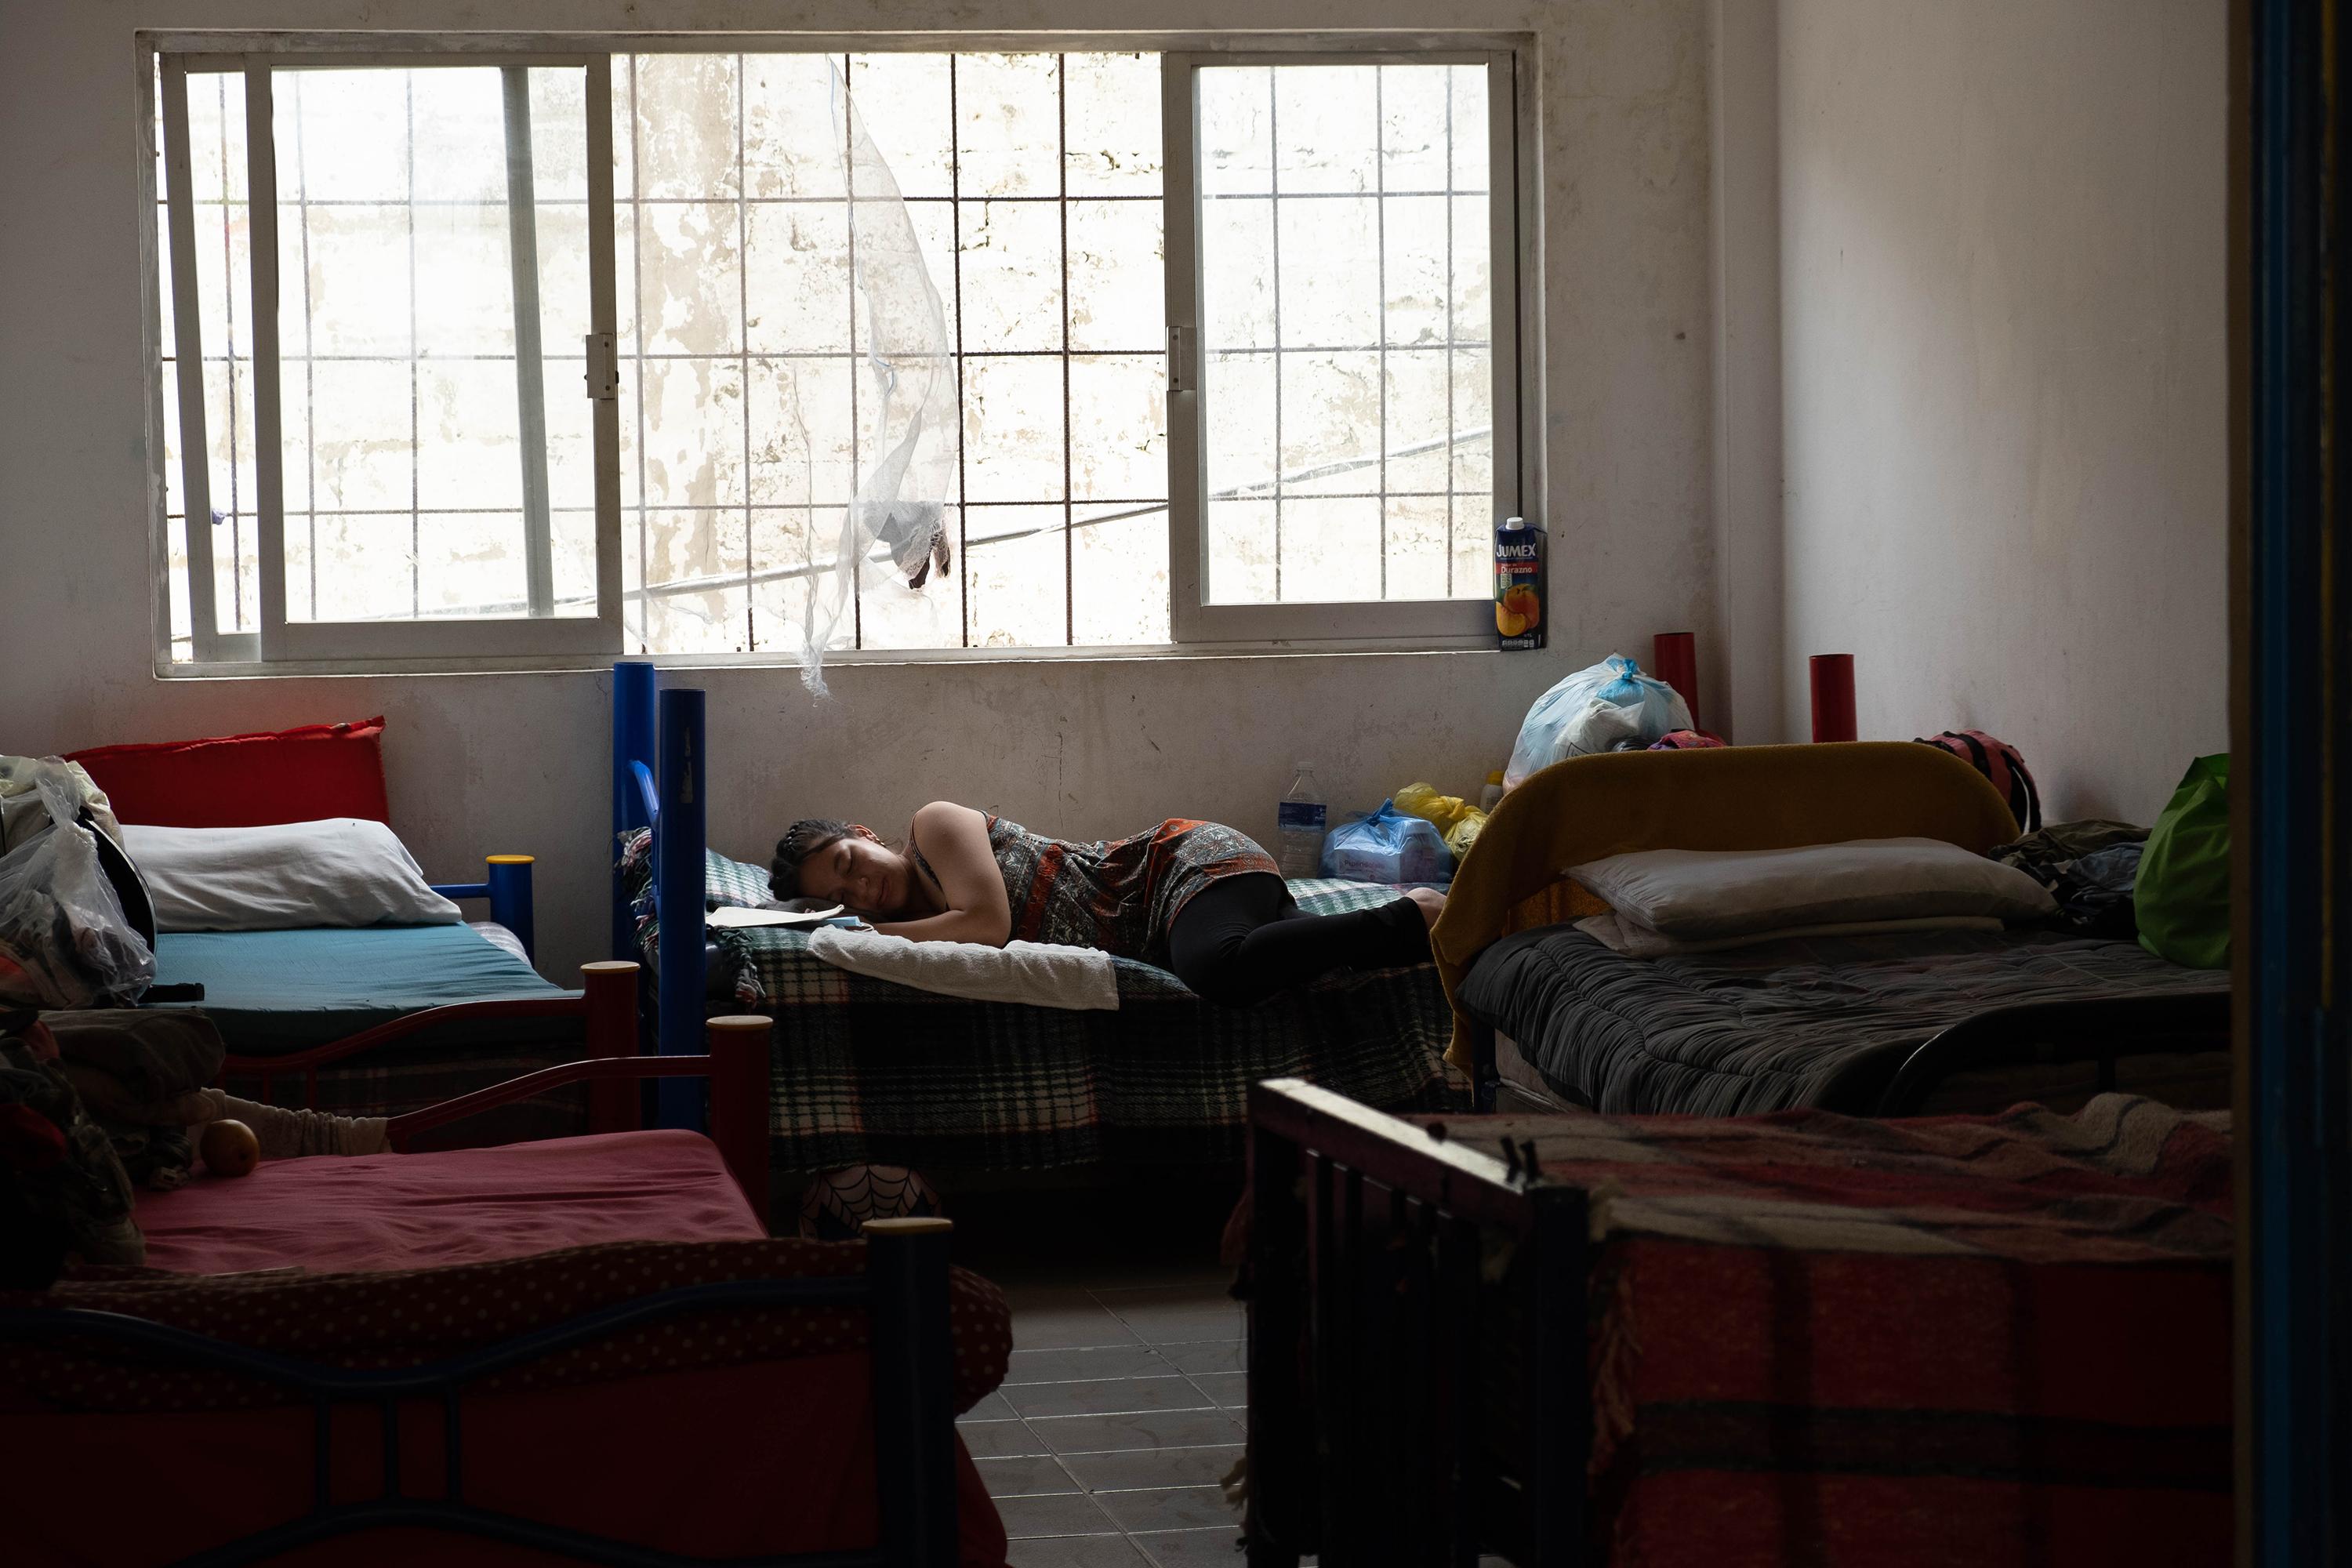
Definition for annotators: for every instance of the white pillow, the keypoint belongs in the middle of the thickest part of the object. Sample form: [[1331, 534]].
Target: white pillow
[[342, 872], [1640, 942], [1695, 895]]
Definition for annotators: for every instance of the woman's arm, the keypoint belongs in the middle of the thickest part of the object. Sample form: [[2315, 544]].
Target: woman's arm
[[954, 840]]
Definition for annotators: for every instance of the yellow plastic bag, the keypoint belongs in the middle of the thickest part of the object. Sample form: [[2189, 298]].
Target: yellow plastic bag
[[1464, 833], [1424, 801]]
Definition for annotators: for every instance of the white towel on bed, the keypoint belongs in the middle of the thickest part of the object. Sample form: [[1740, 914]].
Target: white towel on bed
[[1077, 979]]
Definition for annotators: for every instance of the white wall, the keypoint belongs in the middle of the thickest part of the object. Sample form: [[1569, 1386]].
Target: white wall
[[519, 761], [2002, 229]]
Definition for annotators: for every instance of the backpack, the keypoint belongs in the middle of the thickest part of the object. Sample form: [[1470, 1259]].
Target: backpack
[[1999, 762]]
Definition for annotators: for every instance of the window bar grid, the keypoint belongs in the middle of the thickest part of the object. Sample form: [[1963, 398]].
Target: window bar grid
[[416, 418], [228, 302], [856, 563], [743, 327], [1273, 223], [1380, 278], [1069, 433], [637, 333], [310, 348], [955, 243]]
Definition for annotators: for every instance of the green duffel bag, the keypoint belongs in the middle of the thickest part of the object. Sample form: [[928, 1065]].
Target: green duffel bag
[[2183, 899]]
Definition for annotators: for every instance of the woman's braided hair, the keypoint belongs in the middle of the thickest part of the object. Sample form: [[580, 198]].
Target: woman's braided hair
[[809, 835]]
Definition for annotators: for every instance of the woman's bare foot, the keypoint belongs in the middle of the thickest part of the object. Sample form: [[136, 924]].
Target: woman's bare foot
[[1431, 902]]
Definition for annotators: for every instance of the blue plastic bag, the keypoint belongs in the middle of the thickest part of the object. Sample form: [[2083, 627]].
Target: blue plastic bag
[[1389, 845], [1611, 707]]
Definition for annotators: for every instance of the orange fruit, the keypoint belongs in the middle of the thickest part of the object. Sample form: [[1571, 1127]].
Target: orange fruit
[[1509, 625], [1525, 604]]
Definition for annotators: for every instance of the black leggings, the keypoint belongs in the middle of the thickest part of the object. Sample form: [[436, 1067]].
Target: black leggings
[[1241, 939]]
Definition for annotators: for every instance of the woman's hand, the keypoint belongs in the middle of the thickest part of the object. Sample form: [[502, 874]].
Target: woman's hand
[[969, 888]]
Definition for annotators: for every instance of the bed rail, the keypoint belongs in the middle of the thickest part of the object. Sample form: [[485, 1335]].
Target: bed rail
[[661, 783], [905, 1286], [607, 1005], [506, 884], [1382, 1255], [2097, 1034]]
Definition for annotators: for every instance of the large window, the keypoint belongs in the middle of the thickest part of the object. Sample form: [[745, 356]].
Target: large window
[[566, 355]]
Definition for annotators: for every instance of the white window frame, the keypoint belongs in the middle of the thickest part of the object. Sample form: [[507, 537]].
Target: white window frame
[[1193, 620], [279, 639], [441, 643]]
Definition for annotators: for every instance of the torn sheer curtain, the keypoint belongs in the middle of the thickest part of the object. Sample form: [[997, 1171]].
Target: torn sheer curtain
[[894, 537]]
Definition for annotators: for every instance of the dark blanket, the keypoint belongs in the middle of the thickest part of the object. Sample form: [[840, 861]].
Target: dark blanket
[[1821, 1021]]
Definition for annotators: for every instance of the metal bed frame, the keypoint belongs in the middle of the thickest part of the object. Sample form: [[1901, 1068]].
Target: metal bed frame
[[905, 1286], [661, 782]]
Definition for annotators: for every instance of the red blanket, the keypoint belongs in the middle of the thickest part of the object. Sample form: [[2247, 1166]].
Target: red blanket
[[1957, 1342]]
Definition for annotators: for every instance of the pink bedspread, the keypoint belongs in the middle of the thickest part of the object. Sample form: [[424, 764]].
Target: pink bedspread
[[460, 1205]]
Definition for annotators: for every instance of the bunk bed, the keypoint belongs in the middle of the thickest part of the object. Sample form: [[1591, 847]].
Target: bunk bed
[[868, 1070]]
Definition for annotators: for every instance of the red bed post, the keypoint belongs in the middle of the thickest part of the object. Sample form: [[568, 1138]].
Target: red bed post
[[611, 995], [739, 1101]]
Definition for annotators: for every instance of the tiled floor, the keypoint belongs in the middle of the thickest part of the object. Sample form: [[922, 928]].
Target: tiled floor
[[1122, 1412]]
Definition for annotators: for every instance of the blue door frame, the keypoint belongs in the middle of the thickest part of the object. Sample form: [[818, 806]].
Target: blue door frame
[[2297, 972]]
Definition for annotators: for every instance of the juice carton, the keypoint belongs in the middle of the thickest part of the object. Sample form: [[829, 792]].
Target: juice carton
[[1519, 584]]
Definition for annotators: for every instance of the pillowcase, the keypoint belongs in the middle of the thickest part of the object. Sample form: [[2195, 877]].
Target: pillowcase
[[1618, 935], [1695, 894], [303, 774], [343, 871]]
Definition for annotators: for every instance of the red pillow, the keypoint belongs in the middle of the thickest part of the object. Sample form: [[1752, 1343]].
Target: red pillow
[[246, 781]]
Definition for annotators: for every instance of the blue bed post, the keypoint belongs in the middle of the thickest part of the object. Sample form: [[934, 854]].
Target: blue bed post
[[678, 893], [632, 742]]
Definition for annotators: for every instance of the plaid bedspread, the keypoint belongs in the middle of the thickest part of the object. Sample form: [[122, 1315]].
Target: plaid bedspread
[[1959, 1340], [868, 1070]]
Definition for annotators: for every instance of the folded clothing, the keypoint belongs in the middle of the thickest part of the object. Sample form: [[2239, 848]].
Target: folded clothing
[[1697, 895], [1041, 974]]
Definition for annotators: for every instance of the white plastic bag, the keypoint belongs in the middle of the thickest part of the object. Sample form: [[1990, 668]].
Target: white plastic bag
[[64, 939], [1611, 707]]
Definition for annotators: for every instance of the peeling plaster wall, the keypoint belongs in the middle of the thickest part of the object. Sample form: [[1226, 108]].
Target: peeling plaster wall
[[519, 761], [2004, 385]]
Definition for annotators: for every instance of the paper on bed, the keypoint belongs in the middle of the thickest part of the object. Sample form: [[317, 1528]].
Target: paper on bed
[[1040, 974], [738, 916]]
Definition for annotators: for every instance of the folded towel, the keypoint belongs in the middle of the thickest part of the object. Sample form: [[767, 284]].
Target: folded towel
[[1077, 979]]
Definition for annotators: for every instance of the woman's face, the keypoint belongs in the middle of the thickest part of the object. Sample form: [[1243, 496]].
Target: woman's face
[[856, 872]]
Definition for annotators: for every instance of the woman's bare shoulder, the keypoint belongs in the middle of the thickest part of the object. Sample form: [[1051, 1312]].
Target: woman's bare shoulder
[[946, 814]]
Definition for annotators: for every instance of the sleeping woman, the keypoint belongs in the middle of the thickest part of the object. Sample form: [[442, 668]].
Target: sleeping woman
[[1197, 898]]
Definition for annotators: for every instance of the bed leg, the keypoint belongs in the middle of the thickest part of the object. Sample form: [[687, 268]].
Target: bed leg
[[632, 742], [1281, 1492], [914, 1392], [612, 988], [1560, 1403], [678, 892], [739, 1102]]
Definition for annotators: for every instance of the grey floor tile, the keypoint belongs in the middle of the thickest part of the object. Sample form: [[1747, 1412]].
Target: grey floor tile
[[1203, 1292], [1198, 1467], [1144, 1429], [1085, 1364], [1181, 1325], [1229, 1389], [1222, 1355], [992, 1408], [998, 1439], [1171, 1508], [1184, 1548], [1068, 1327], [1107, 1397], [1026, 1475], [1078, 1552], [1069, 1513]]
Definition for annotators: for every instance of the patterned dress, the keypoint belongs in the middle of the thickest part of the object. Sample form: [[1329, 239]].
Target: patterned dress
[[1122, 895]]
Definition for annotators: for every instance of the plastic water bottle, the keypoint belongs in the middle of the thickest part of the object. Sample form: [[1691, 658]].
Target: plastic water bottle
[[1300, 821], [1492, 796]]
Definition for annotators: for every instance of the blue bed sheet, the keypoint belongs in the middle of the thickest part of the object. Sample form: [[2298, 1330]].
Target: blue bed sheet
[[274, 991]]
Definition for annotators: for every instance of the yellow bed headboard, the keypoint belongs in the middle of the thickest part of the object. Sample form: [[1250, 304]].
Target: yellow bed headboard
[[1732, 797]]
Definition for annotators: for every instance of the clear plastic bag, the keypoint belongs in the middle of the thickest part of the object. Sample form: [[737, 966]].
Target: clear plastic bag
[[1389, 845], [1611, 707], [64, 939]]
